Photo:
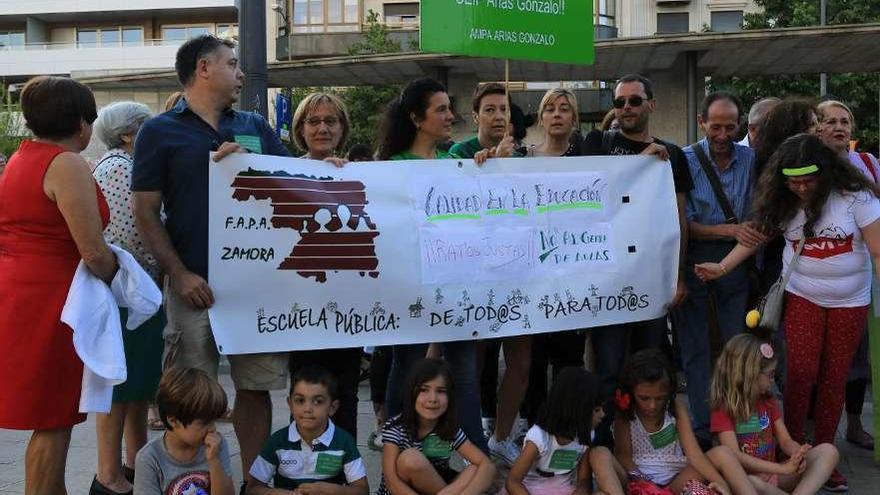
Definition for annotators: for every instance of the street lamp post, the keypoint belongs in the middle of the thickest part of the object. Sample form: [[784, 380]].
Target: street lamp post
[[288, 27]]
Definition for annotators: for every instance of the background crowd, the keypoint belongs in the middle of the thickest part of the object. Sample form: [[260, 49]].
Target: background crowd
[[790, 195]]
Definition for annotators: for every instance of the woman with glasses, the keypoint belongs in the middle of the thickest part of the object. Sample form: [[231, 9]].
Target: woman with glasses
[[836, 124], [808, 194], [320, 127], [787, 118]]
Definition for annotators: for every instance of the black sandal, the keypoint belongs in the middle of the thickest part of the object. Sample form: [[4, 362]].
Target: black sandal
[[128, 472], [98, 489]]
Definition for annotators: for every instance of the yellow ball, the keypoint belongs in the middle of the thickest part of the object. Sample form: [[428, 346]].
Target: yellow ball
[[753, 317]]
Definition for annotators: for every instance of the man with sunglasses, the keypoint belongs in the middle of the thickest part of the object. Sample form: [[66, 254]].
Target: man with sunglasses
[[633, 105], [723, 173]]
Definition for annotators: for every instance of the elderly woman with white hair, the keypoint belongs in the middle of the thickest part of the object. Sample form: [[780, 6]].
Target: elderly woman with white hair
[[117, 127]]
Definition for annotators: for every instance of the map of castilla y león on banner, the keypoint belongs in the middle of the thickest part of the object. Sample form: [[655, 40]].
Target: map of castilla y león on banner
[[335, 230]]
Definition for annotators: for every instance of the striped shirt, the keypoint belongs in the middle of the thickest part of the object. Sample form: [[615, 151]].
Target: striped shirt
[[287, 462], [437, 450], [736, 181]]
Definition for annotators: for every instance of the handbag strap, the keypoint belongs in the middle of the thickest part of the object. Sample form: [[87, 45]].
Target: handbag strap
[[794, 260], [715, 182], [870, 164]]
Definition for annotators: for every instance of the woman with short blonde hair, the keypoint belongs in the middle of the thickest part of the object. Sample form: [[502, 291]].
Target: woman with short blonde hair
[[320, 125], [558, 116]]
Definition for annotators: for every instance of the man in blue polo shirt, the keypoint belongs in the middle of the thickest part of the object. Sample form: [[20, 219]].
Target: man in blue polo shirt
[[715, 224], [171, 170]]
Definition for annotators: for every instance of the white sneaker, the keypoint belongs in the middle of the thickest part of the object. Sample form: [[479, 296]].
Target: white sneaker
[[505, 451], [519, 430], [488, 426]]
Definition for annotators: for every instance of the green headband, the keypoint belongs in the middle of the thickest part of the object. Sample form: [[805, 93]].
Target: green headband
[[798, 172]]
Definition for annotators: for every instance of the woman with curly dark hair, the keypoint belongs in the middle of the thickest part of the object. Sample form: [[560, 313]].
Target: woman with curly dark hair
[[810, 195], [786, 119], [416, 123], [413, 127]]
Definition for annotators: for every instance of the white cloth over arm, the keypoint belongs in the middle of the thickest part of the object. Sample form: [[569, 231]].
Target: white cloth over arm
[[92, 311]]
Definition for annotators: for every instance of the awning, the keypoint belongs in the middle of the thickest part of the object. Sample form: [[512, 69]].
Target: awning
[[843, 48]]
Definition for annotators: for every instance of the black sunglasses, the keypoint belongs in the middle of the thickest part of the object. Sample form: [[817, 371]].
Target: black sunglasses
[[634, 101]]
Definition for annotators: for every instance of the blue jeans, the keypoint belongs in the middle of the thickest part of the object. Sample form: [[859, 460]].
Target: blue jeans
[[730, 295], [462, 359]]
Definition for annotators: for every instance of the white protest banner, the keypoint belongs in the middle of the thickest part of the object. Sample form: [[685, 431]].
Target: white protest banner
[[303, 255]]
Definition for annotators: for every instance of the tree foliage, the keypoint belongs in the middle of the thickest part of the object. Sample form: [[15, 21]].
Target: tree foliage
[[365, 103], [858, 90], [12, 129]]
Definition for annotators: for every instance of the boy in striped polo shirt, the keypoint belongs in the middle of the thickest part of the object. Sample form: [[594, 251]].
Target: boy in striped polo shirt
[[312, 455]]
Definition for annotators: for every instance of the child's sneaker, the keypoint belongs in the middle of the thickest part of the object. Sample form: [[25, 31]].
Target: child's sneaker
[[374, 441], [488, 426], [505, 450], [836, 482]]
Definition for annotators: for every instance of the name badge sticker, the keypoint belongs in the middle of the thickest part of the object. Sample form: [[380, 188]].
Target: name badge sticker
[[564, 460], [252, 143], [663, 437], [328, 464], [436, 448]]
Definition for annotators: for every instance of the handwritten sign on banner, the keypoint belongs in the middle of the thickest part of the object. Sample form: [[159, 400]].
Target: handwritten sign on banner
[[303, 255]]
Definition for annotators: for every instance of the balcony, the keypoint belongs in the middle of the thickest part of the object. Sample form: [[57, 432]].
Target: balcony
[[309, 45], [65, 58]]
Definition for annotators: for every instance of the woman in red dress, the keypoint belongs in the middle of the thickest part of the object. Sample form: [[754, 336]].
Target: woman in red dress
[[51, 215]]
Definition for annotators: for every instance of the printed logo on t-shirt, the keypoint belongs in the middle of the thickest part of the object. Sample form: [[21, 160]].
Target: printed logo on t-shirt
[[192, 483], [755, 437], [825, 247]]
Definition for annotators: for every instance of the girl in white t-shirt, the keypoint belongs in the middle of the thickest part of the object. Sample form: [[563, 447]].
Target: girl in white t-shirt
[[810, 194], [552, 461]]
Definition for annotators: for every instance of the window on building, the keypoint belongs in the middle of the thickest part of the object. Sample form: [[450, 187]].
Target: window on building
[[109, 36], [11, 39], [86, 38], [672, 22], [730, 20], [177, 35], [324, 16], [401, 13], [607, 12], [227, 30], [132, 36]]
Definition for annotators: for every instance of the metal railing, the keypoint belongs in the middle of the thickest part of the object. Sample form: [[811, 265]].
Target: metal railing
[[87, 45]]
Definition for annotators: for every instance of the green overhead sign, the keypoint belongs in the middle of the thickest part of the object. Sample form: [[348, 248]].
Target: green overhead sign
[[544, 30]]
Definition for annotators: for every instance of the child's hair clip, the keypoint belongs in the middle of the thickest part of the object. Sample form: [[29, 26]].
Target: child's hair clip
[[767, 351], [622, 400]]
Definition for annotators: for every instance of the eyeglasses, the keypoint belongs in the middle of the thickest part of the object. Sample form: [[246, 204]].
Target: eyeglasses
[[634, 101], [328, 121], [798, 183]]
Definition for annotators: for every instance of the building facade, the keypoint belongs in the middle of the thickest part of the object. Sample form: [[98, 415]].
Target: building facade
[[321, 28], [98, 37]]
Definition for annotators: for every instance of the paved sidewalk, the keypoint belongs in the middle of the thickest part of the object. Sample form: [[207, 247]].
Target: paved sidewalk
[[857, 464]]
